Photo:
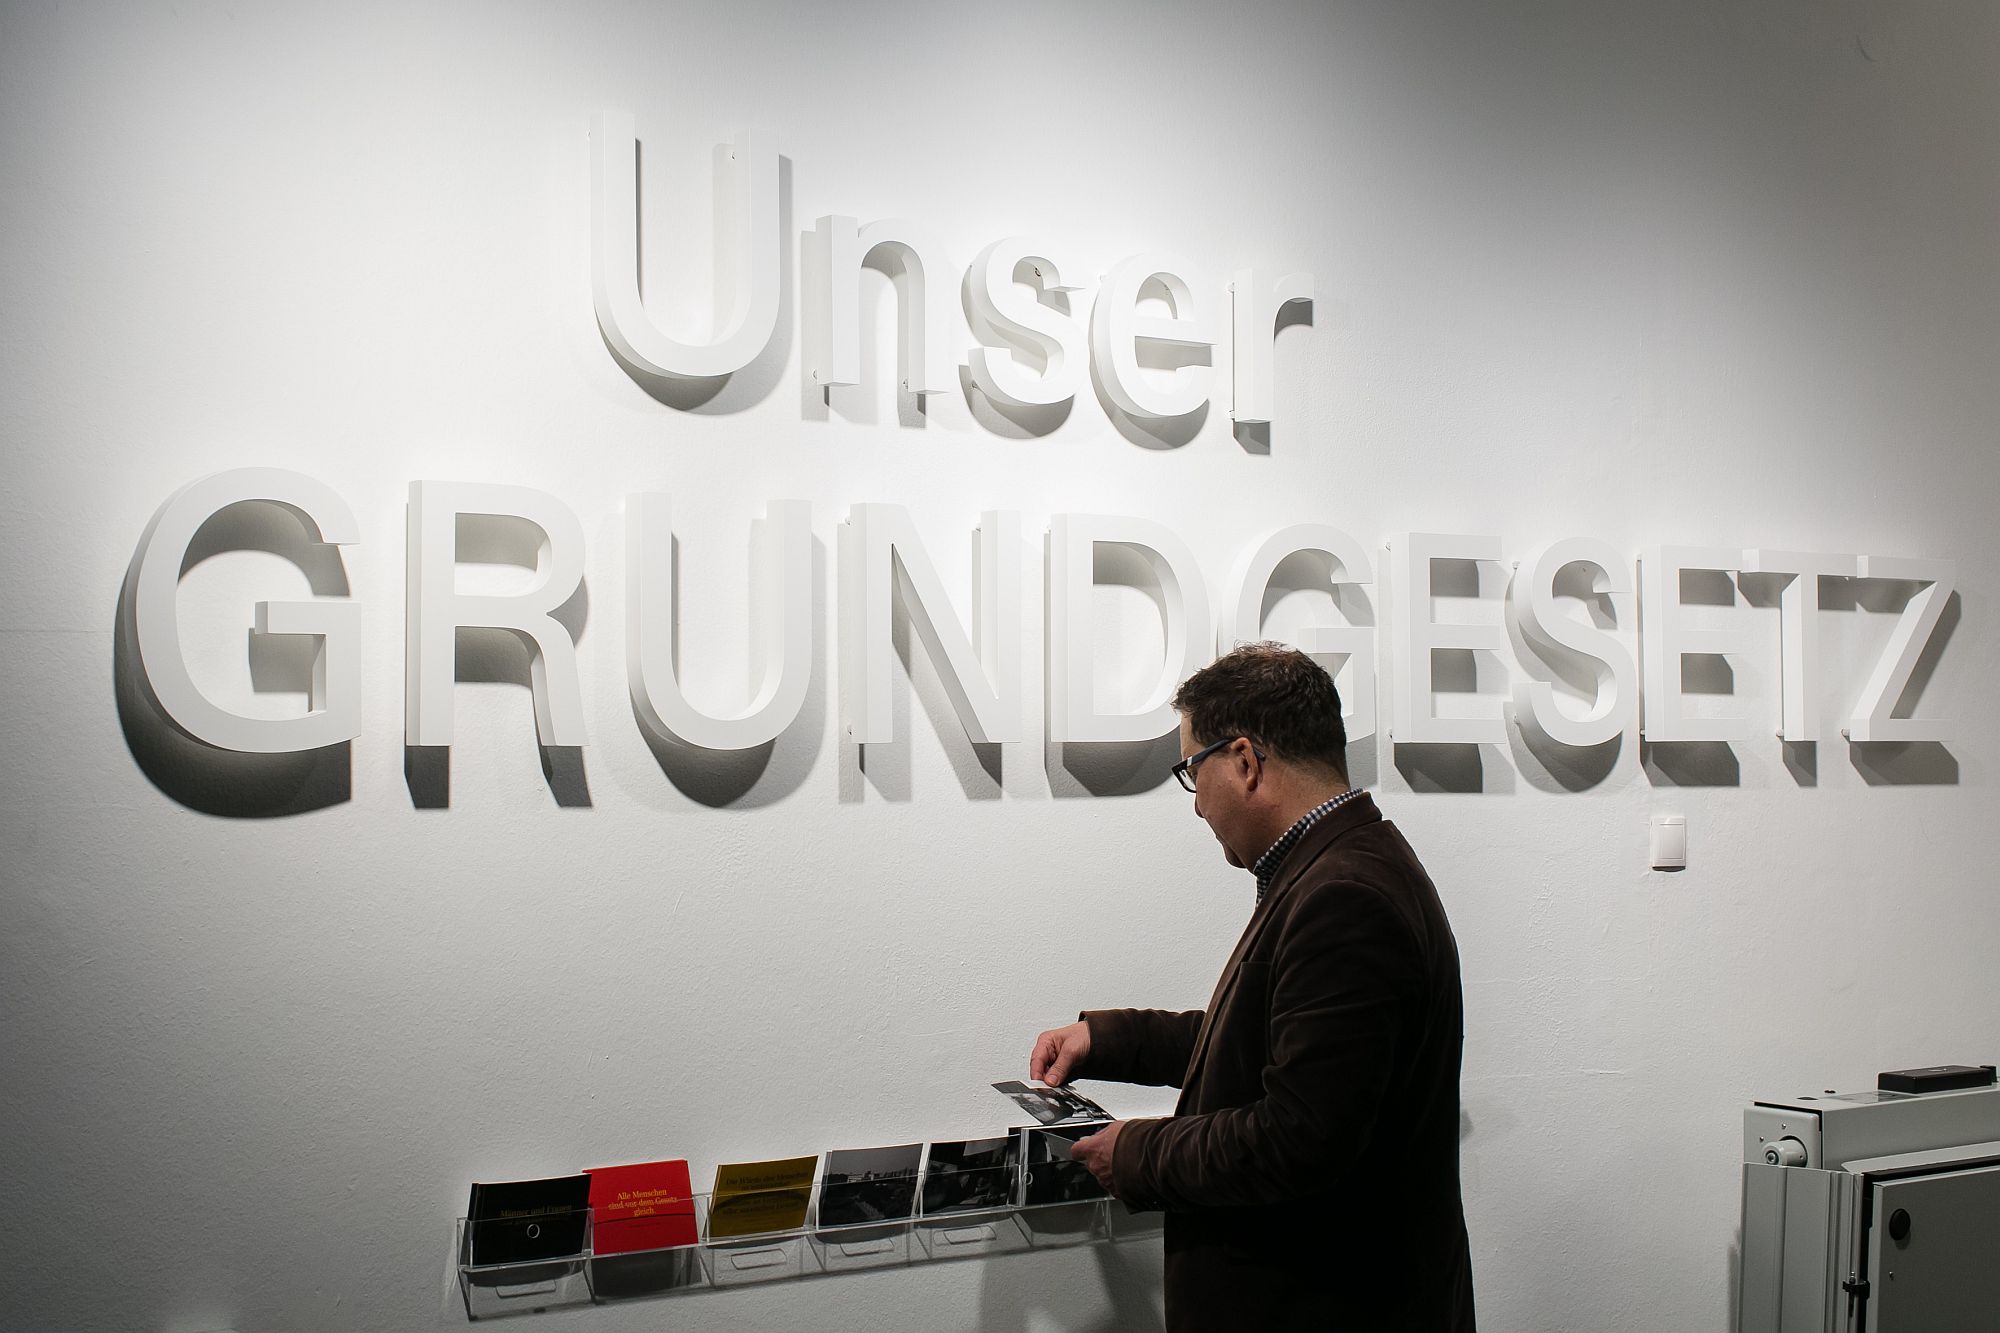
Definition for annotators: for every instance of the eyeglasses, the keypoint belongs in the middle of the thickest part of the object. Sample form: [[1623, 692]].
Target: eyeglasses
[[1184, 771]]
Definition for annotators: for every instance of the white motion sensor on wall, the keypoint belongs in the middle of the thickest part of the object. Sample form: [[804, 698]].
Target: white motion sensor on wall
[[1670, 842]]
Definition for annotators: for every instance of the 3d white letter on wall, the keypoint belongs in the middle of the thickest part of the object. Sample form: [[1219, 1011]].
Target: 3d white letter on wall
[[1418, 635], [437, 608], [1539, 613], [748, 251], [1668, 640], [1117, 328], [1253, 313], [1072, 574], [154, 585], [1355, 644], [780, 627], [1874, 713], [930, 303], [983, 680], [1004, 316], [1798, 631]]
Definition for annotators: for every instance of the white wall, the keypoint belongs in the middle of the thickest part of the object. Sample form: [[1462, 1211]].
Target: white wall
[[1708, 272]]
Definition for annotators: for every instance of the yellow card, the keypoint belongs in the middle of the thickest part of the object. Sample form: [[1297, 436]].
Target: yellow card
[[754, 1197]]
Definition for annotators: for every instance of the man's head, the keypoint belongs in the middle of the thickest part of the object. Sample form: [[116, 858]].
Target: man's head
[[1272, 716]]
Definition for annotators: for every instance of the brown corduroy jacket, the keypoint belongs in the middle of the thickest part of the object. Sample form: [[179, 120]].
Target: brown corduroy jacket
[[1310, 1170]]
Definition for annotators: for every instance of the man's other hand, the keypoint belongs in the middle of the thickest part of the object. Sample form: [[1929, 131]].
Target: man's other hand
[[1058, 1052], [1095, 1153]]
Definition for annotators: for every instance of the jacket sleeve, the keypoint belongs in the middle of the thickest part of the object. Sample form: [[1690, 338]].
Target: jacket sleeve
[[1151, 1046], [1340, 980]]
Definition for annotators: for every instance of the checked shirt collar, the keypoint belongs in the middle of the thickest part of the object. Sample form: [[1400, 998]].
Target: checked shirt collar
[[1266, 869]]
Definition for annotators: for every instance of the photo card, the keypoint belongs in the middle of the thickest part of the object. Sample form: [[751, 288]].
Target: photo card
[[1052, 1106], [971, 1174], [861, 1185], [1052, 1175]]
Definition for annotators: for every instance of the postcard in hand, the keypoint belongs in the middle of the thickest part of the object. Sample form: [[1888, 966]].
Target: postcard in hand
[[1053, 1106]]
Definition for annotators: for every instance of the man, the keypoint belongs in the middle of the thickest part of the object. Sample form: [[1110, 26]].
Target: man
[[1310, 1170]]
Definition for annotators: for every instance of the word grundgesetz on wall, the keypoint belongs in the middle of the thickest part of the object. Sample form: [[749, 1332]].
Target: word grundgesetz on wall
[[883, 564]]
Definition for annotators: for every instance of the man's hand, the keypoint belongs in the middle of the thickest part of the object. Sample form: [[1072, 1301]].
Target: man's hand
[[1095, 1152], [1057, 1052]]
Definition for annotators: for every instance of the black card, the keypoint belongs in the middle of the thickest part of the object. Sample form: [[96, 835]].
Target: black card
[[515, 1221]]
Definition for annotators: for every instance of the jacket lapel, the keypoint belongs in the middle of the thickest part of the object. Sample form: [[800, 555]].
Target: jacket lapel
[[1361, 810]]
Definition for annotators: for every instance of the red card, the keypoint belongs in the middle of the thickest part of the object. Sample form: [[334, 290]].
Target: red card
[[648, 1206]]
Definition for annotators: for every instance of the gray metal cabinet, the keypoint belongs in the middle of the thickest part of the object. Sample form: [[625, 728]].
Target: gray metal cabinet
[[1875, 1212]]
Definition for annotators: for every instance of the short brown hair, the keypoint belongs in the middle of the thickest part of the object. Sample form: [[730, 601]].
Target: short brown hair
[[1274, 694]]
